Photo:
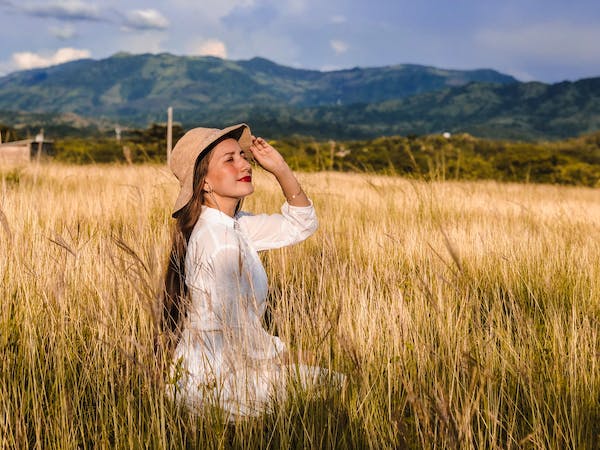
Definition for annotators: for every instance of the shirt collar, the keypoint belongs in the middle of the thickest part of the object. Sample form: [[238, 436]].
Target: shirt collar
[[215, 216]]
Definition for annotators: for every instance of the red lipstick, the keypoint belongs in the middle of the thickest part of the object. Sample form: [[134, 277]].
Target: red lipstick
[[247, 179]]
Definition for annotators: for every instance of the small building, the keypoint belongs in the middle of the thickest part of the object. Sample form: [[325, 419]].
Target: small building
[[22, 152]]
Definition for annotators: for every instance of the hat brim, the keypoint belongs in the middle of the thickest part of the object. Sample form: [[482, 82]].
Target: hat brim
[[239, 132]]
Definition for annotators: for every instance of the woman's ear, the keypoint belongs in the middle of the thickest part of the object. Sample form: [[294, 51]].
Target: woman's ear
[[207, 187]]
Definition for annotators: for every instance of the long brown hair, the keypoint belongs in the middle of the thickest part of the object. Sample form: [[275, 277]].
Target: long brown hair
[[175, 296]]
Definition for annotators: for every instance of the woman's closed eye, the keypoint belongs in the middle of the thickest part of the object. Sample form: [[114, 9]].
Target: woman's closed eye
[[230, 158]]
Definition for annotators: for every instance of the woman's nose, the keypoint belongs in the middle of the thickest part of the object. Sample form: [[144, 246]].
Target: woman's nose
[[246, 165]]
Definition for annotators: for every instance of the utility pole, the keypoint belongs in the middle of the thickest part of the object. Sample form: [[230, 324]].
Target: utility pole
[[169, 133]]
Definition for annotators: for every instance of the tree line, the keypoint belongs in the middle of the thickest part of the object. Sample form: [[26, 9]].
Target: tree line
[[574, 161]]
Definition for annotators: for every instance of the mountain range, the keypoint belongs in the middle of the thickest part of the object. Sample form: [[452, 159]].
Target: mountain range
[[135, 90]]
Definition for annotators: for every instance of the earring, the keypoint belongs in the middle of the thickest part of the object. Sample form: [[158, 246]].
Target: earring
[[209, 190]]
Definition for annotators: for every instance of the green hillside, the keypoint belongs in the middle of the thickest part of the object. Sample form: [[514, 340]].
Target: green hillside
[[520, 111], [136, 89], [89, 97], [140, 86]]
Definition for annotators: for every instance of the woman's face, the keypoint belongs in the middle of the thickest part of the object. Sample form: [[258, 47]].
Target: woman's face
[[229, 174]]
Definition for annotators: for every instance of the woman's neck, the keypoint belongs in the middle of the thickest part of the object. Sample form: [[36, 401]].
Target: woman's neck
[[225, 205]]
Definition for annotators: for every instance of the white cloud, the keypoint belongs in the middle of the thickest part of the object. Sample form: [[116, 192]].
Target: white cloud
[[211, 47], [145, 19], [519, 74], [211, 10], [282, 50], [338, 19], [30, 60], [338, 46], [552, 42], [295, 6], [143, 42], [63, 9], [5, 68], [64, 32], [210, 4]]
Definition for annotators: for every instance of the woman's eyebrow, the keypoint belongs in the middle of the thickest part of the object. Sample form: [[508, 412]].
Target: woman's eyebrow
[[233, 152]]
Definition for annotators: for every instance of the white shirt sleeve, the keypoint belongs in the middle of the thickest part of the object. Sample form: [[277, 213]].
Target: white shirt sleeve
[[267, 231], [232, 301]]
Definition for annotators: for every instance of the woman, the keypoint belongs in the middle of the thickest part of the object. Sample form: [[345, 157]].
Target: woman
[[216, 286]]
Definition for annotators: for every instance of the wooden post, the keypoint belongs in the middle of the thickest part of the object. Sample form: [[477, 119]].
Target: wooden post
[[40, 140], [331, 153], [169, 133]]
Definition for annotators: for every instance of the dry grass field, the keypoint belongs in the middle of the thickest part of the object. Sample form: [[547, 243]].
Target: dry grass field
[[465, 315]]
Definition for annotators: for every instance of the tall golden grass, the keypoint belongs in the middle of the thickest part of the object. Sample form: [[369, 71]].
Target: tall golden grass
[[465, 315]]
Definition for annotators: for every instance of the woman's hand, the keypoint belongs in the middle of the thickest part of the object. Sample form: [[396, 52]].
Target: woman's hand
[[268, 158]]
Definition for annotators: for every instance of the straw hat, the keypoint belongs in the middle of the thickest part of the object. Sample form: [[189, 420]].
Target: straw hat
[[195, 144]]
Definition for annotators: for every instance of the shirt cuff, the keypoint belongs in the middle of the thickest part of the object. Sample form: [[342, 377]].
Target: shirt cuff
[[287, 207]]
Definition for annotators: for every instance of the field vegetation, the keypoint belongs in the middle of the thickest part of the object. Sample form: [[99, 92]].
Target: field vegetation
[[574, 161], [465, 314]]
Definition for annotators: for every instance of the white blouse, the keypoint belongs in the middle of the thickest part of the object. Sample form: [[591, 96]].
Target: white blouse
[[225, 354]]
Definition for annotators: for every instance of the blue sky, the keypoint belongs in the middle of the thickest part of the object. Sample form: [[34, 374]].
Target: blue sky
[[547, 40]]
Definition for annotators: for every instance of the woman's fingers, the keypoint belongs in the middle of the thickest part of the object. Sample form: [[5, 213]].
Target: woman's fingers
[[259, 144], [266, 156]]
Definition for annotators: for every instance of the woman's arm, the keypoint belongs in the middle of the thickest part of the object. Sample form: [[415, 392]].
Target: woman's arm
[[297, 220], [269, 231], [272, 161]]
